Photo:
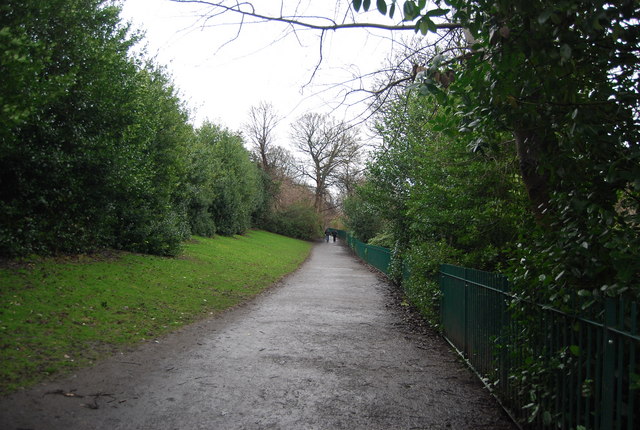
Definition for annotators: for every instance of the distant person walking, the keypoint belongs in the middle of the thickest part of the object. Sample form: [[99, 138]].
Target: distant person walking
[[334, 234], [326, 235]]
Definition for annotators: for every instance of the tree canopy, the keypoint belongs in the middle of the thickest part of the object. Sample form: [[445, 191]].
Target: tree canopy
[[561, 78], [96, 149], [327, 146]]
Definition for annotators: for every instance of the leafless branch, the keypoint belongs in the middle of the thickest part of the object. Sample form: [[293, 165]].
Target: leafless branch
[[305, 21], [319, 63]]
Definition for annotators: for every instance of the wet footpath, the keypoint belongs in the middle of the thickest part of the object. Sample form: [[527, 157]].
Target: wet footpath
[[327, 348]]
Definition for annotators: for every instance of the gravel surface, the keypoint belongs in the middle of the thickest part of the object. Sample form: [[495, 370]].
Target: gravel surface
[[329, 347]]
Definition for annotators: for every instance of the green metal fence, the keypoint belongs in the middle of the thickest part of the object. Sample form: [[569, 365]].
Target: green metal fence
[[591, 364], [377, 256]]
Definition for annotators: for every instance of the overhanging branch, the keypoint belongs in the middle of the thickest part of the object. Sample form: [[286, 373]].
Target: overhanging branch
[[302, 21]]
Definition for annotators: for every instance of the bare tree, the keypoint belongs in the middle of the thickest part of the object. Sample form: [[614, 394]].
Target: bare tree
[[263, 120], [349, 175], [326, 147]]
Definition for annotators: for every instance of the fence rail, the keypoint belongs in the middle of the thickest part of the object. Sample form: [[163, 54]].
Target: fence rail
[[587, 367], [377, 256]]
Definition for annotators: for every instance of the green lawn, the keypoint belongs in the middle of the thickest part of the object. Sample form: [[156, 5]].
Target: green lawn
[[58, 314]]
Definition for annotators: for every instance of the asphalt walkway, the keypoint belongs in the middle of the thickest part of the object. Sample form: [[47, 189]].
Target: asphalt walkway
[[326, 349]]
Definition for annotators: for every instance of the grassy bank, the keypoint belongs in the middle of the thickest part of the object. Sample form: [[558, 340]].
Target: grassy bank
[[58, 314]]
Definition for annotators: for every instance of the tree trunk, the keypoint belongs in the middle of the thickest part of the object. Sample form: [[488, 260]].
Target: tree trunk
[[265, 161], [531, 147], [319, 198]]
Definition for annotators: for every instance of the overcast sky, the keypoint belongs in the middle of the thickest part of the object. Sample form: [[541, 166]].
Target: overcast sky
[[221, 78]]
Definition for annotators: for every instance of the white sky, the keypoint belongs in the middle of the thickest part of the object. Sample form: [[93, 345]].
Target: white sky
[[221, 78]]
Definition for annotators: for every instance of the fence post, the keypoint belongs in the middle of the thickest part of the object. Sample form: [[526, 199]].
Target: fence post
[[504, 365], [608, 365], [443, 309], [466, 312]]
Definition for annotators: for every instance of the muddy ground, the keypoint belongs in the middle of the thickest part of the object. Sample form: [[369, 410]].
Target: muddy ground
[[329, 347]]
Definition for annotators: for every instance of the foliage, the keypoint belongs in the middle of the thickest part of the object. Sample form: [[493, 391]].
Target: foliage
[[361, 217], [383, 239], [576, 87], [236, 184], [202, 173], [150, 204], [58, 314], [563, 79], [435, 199], [91, 140], [268, 189], [298, 220], [96, 146]]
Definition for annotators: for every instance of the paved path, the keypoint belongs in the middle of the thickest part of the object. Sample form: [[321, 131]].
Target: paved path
[[324, 350]]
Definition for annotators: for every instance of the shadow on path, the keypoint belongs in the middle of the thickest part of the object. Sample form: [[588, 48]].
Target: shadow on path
[[324, 350]]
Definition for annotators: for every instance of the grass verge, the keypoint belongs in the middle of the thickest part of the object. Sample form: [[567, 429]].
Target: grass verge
[[57, 314]]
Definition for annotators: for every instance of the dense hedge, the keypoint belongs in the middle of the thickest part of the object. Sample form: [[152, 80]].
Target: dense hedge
[[95, 146], [299, 220]]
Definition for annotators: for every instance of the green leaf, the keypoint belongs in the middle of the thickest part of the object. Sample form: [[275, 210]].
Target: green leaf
[[544, 16], [392, 10], [560, 275], [410, 10], [575, 350], [423, 26], [474, 123], [437, 12], [357, 4], [366, 4], [382, 6], [565, 52]]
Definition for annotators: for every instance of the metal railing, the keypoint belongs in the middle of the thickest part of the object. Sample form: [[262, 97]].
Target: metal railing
[[377, 256], [587, 369]]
